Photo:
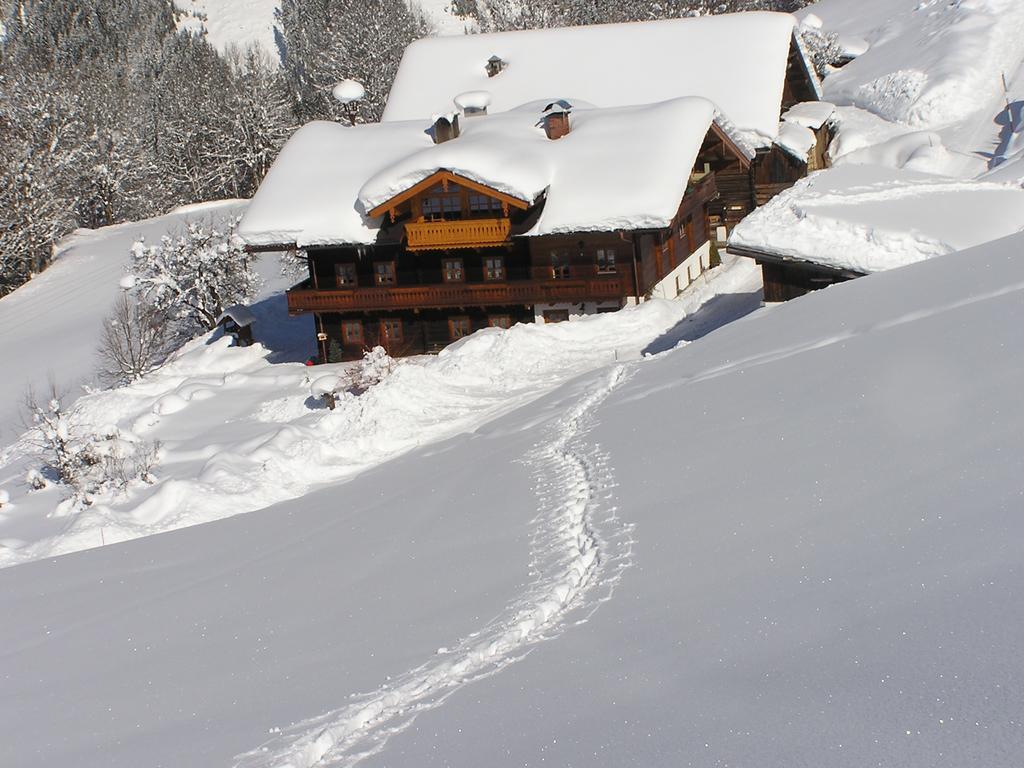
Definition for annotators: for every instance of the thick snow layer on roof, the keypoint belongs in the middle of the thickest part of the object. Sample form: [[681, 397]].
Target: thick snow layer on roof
[[239, 313], [796, 139], [810, 114], [624, 168], [868, 218], [928, 64], [310, 195], [737, 61]]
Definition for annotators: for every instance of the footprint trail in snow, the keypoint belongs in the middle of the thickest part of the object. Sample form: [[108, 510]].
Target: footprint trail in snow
[[579, 549]]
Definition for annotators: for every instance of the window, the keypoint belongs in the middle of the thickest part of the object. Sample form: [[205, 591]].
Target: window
[[441, 205], [384, 272], [452, 270], [559, 265], [345, 275], [556, 315], [499, 321], [483, 204], [459, 327], [352, 331], [605, 261], [494, 268], [390, 330]]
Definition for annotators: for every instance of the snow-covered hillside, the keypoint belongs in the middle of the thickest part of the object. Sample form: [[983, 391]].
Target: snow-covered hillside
[[792, 542], [238, 429], [51, 325]]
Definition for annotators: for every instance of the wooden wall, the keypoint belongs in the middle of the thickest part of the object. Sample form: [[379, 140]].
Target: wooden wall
[[423, 331]]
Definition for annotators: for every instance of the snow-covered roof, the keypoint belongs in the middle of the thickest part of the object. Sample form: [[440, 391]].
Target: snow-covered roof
[[869, 218], [738, 61], [810, 114], [239, 313], [621, 168], [310, 196]]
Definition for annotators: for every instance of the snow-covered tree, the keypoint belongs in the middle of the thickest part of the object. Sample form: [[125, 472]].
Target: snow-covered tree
[[330, 40], [194, 277]]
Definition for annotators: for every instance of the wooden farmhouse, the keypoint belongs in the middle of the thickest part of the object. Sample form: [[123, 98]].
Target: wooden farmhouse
[[535, 177]]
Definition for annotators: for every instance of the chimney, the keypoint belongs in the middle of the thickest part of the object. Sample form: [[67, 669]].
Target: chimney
[[556, 119], [495, 66], [556, 124], [444, 129]]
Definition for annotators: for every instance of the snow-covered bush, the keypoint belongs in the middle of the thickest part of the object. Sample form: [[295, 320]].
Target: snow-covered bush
[[89, 461], [191, 279], [823, 48], [375, 366], [136, 338]]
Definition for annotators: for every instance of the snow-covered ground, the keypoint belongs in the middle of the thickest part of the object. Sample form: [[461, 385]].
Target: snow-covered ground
[[51, 325], [792, 542], [932, 69], [241, 23], [238, 429]]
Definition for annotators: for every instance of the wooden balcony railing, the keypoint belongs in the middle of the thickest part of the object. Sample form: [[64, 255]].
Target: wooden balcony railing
[[466, 233], [304, 299]]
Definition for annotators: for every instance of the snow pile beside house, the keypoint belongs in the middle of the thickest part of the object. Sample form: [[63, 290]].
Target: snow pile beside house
[[237, 433], [625, 167], [868, 218], [610, 65]]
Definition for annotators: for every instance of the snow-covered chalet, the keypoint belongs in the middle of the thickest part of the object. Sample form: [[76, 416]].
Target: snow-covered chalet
[[536, 176]]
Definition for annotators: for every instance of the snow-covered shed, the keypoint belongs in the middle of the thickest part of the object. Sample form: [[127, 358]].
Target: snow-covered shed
[[852, 220], [237, 321], [747, 64]]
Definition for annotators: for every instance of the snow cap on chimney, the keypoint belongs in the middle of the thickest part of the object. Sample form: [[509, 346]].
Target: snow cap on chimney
[[473, 102]]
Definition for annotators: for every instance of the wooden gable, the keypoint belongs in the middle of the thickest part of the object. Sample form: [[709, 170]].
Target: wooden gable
[[443, 178], [800, 80]]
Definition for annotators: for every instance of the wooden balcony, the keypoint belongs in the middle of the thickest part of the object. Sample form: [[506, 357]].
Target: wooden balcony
[[465, 233], [526, 292]]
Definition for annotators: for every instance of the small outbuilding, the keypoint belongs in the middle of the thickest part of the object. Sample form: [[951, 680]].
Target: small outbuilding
[[237, 321]]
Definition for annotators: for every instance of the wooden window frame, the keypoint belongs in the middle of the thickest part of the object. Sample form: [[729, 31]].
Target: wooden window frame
[[459, 319], [492, 321], [398, 337], [337, 277], [345, 324], [501, 269], [377, 275], [561, 271], [606, 270], [462, 270]]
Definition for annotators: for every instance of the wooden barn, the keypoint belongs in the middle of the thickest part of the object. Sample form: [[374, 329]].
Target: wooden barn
[[417, 232]]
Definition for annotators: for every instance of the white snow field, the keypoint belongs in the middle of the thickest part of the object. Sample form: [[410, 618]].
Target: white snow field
[[791, 542], [50, 327], [240, 23], [238, 429], [932, 69]]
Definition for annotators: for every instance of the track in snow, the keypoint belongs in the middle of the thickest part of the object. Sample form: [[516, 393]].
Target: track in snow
[[579, 549]]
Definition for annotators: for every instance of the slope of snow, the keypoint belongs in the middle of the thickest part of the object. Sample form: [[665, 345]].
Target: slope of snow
[[51, 325], [239, 431], [610, 65], [804, 529], [869, 218], [932, 67], [233, 23]]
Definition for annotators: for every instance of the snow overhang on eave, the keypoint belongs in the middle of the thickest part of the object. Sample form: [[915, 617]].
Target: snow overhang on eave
[[778, 258]]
